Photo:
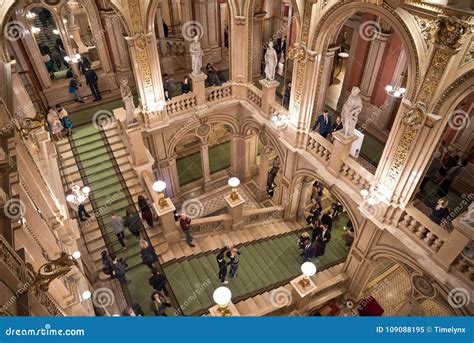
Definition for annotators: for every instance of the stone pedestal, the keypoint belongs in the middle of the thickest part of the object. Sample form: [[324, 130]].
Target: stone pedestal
[[302, 295], [199, 88], [214, 311], [268, 93], [342, 147], [168, 223], [235, 210]]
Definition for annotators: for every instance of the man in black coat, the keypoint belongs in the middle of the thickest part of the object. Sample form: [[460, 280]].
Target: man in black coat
[[158, 281], [91, 81], [326, 219]]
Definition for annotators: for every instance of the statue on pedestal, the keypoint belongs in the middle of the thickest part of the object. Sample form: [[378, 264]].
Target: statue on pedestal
[[127, 98], [196, 55], [350, 112], [271, 61]]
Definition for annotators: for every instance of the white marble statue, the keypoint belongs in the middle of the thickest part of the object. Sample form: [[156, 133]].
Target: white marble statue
[[127, 98], [350, 112], [271, 61], [196, 55]]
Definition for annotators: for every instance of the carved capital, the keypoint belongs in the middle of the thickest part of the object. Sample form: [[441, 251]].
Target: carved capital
[[450, 31]]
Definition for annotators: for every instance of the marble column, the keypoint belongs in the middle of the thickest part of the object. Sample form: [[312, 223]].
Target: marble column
[[263, 175], [240, 26], [206, 170], [175, 176], [372, 65], [118, 45], [203, 10], [238, 155], [161, 30], [250, 153], [257, 45], [306, 187], [354, 24], [326, 78]]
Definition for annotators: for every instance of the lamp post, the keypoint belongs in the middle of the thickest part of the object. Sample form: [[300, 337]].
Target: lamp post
[[222, 297], [308, 269], [160, 186], [234, 183]]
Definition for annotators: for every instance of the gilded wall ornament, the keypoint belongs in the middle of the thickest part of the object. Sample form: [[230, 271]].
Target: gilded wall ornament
[[423, 286], [426, 27], [415, 116], [450, 31], [297, 54]]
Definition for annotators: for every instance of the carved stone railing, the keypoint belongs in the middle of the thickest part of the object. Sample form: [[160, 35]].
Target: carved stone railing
[[10, 259], [267, 214], [181, 103], [445, 247], [355, 174], [319, 147], [175, 47], [430, 235], [217, 93], [207, 224], [254, 95], [275, 108]]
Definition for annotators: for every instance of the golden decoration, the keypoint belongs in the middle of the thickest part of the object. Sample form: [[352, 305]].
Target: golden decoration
[[297, 54], [450, 31], [52, 270]]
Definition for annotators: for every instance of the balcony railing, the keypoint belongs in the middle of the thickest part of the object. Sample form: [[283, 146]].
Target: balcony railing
[[181, 103]]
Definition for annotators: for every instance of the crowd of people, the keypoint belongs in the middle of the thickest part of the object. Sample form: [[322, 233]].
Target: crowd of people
[[320, 226]]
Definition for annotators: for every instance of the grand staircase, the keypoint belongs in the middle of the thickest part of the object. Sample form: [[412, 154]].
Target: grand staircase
[[99, 159], [266, 262]]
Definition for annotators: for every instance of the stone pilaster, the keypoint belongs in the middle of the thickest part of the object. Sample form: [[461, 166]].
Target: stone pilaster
[[327, 71]]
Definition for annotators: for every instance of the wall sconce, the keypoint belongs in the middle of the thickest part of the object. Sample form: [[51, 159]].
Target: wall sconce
[[222, 297], [396, 91], [234, 183], [86, 295], [74, 58], [308, 269], [160, 186], [280, 121], [30, 15], [35, 30]]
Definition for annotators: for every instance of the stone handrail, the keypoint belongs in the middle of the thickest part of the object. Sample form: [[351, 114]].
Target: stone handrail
[[422, 229], [263, 214], [10, 259], [206, 224], [320, 147], [356, 174], [275, 108], [254, 95], [181, 103], [217, 93]]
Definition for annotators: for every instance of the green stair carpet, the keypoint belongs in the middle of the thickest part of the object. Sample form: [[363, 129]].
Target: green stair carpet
[[263, 265]]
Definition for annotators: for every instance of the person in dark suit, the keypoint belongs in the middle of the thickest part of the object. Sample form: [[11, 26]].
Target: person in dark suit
[[84, 64], [222, 264], [324, 124], [91, 81], [321, 241], [314, 214], [337, 126], [158, 281], [326, 219], [307, 251]]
